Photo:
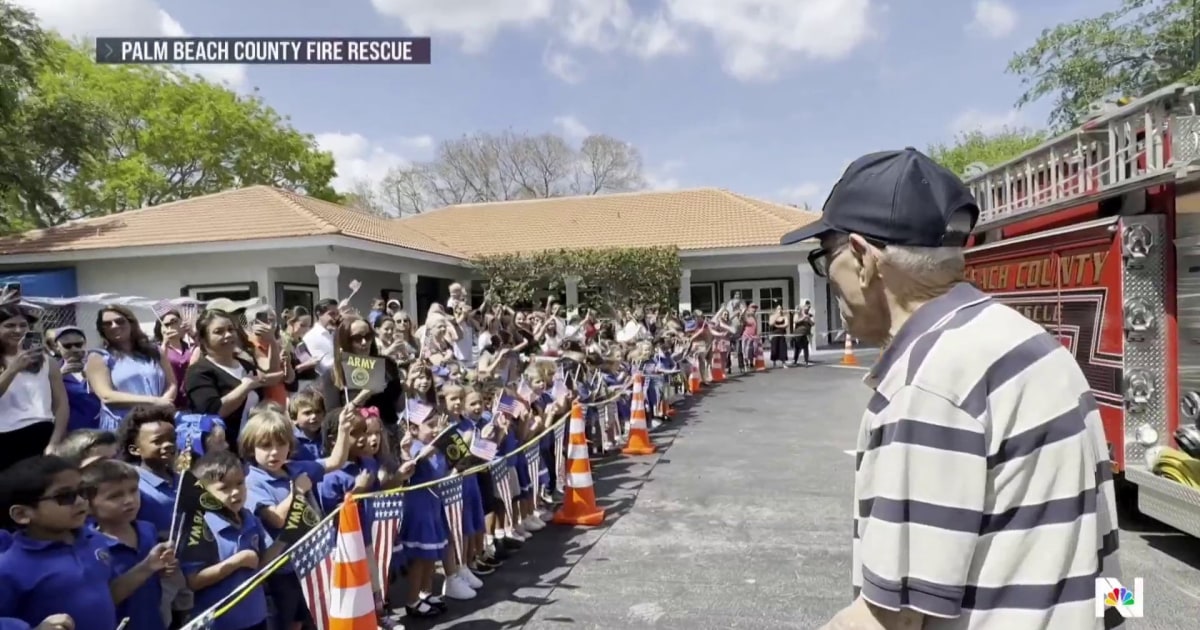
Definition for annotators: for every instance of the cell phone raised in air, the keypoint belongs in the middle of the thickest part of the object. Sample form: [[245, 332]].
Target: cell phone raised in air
[[33, 341]]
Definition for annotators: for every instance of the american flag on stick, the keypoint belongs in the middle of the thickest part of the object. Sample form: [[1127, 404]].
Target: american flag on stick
[[383, 512], [506, 403], [417, 411], [559, 390], [161, 308], [313, 558], [500, 469], [451, 492]]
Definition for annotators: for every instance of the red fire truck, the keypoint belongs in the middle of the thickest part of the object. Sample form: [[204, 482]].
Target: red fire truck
[[1096, 235]]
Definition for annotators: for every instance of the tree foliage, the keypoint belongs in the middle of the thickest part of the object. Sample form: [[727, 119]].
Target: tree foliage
[[78, 139], [487, 167], [988, 149], [1127, 52], [609, 279]]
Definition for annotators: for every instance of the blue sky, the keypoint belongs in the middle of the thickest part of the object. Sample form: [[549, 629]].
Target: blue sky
[[769, 98]]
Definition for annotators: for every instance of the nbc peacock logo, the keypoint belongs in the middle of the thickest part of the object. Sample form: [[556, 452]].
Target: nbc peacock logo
[[1112, 595], [1122, 596]]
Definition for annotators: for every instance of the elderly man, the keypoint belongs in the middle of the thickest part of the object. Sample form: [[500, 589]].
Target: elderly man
[[983, 492]]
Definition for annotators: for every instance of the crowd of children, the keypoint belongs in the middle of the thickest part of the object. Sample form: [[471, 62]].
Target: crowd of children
[[91, 532]]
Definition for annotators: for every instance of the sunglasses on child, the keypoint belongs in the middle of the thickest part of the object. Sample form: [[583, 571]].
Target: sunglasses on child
[[66, 498]]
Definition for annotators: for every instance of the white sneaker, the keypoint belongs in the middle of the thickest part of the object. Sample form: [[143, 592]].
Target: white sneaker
[[472, 580], [457, 588], [546, 516], [512, 533], [522, 531], [533, 524]]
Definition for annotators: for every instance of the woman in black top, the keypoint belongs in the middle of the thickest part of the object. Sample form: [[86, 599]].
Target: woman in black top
[[355, 336], [222, 382]]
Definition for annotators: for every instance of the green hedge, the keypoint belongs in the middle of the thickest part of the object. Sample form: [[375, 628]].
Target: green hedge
[[609, 279]]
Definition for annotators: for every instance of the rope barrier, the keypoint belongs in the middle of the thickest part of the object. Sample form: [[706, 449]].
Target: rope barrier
[[256, 580]]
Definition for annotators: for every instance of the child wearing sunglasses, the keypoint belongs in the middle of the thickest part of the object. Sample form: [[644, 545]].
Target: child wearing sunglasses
[[52, 554]]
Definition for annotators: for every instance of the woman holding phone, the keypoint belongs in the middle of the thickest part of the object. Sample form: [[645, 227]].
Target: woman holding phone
[[33, 401], [262, 333]]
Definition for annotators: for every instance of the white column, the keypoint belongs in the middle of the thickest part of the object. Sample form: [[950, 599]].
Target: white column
[[806, 284], [327, 280], [685, 289], [572, 289], [409, 289]]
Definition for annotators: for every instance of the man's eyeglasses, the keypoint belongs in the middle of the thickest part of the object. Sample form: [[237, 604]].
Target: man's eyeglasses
[[66, 498], [820, 257]]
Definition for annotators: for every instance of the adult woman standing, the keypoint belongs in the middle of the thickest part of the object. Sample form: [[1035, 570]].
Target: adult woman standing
[[169, 333], [33, 401], [129, 370], [355, 336], [262, 340], [222, 382], [780, 327]]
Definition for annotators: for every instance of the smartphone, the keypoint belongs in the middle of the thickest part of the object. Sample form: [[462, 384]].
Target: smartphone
[[263, 317], [33, 341]]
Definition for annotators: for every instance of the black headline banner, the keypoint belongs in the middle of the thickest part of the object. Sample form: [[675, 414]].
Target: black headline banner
[[264, 50]]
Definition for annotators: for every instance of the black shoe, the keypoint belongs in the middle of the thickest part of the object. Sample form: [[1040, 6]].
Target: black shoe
[[482, 568], [489, 560], [510, 544], [423, 610], [500, 554], [437, 601]]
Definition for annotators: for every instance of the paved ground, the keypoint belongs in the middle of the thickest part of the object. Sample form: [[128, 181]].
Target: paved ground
[[742, 521]]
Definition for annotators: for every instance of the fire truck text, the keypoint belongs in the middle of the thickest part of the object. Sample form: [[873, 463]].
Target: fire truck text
[[1072, 270]]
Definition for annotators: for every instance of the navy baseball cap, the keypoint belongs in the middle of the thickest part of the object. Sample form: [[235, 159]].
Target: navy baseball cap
[[894, 197]]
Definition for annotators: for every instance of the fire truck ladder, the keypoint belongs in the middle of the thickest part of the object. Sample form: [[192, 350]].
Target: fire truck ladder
[[1153, 140]]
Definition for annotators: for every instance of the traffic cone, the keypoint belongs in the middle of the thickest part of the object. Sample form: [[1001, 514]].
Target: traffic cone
[[579, 497], [639, 435], [694, 378], [718, 367], [760, 360], [351, 601], [848, 355]]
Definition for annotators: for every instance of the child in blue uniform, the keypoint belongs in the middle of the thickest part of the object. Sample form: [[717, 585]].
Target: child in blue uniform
[[307, 411], [241, 547], [115, 502], [423, 531], [273, 480], [493, 509], [54, 564], [475, 515], [455, 398]]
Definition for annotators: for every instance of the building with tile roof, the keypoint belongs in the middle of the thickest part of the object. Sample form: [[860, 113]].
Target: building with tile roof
[[291, 249]]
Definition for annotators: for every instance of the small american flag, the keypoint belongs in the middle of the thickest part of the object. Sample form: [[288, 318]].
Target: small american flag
[[383, 513], [525, 392], [500, 470], [417, 411], [313, 559], [507, 404], [560, 457], [483, 449], [534, 459], [451, 492], [161, 308], [560, 385]]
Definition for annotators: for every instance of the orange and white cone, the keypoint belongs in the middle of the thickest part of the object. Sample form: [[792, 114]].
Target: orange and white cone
[[579, 496], [694, 377], [639, 433], [351, 600], [718, 367], [848, 355], [760, 360]]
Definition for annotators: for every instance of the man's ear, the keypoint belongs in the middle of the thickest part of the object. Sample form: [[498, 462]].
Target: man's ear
[[867, 257]]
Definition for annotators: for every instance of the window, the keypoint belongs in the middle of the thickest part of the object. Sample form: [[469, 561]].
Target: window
[[768, 299], [233, 291], [290, 295], [704, 297]]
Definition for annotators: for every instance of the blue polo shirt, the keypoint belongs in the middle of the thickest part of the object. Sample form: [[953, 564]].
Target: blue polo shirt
[[40, 578], [9, 623], [308, 449], [230, 539], [82, 404], [158, 500], [337, 484], [142, 607], [265, 490]]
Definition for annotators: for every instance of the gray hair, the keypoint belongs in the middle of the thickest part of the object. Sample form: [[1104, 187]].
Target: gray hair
[[932, 270]]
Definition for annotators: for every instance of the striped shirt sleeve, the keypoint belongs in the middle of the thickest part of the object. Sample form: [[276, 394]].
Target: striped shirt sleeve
[[921, 486]]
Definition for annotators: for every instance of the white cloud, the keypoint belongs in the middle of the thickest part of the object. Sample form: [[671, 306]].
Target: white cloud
[[987, 122], [86, 19], [563, 66], [665, 176], [417, 144], [993, 18], [754, 38], [572, 127], [474, 22], [359, 159]]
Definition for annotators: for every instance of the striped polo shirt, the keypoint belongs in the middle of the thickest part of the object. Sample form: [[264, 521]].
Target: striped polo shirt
[[983, 491]]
